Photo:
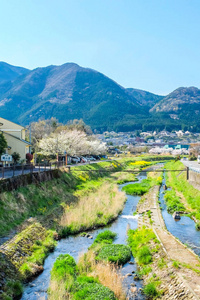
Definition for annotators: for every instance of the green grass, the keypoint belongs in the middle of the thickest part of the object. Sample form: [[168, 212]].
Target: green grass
[[144, 256], [150, 291], [180, 183], [116, 253], [87, 288], [105, 237], [80, 287], [142, 187], [64, 265], [173, 202]]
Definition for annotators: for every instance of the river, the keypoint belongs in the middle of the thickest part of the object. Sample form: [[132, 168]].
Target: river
[[183, 229], [77, 245]]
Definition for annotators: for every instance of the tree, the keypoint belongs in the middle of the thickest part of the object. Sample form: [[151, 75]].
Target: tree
[[73, 142], [3, 143], [16, 157], [41, 129]]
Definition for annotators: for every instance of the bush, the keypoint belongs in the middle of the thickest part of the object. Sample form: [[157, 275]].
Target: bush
[[150, 290], [92, 291], [144, 256], [173, 202], [29, 157], [106, 237], [64, 265], [115, 253]]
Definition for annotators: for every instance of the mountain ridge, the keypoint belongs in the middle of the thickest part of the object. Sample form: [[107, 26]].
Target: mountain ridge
[[71, 92]]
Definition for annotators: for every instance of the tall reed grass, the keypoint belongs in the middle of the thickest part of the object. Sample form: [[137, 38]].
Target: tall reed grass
[[95, 209]]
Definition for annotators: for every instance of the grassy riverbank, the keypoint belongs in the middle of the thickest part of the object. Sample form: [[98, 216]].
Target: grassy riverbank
[[43, 211], [144, 244], [95, 276], [185, 192]]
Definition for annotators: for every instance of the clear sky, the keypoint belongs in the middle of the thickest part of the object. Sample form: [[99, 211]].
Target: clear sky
[[147, 44]]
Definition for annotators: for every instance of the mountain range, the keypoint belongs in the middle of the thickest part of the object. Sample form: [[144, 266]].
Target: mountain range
[[70, 92]]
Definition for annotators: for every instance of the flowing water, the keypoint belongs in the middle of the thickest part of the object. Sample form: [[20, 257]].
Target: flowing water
[[183, 229], [77, 245]]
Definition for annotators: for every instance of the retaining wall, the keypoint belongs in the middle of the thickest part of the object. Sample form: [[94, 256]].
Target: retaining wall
[[13, 183]]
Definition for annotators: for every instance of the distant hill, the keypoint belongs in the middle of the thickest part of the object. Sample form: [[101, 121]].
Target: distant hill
[[144, 98], [9, 72], [182, 104], [70, 92], [67, 92]]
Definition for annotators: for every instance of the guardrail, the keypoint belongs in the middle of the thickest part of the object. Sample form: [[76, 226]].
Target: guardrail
[[16, 170]]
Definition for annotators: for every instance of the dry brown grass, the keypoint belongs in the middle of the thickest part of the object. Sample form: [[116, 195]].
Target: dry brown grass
[[58, 291], [96, 208], [107, 273]]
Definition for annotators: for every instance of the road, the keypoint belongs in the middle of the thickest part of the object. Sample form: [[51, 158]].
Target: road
[[191, 164]]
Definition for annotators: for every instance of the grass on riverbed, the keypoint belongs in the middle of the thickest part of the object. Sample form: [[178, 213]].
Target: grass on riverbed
[[90, 278], [173, 202], [95, 209], [180, 183], [143, 243], [142, 187]]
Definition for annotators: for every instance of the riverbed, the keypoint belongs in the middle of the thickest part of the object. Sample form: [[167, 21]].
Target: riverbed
[[77, 245], [184, 229]]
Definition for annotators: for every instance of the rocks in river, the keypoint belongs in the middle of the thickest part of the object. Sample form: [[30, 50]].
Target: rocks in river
[[133, 284], [164, 187], [128, 274], [176, 215], [133, 290], [90, 237], [136, 277], [131, 262], [133, 272]]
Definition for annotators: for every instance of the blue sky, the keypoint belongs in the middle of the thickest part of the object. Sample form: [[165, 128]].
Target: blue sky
[[147, 44]]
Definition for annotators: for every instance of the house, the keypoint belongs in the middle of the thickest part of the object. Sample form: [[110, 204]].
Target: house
[[15, 137]]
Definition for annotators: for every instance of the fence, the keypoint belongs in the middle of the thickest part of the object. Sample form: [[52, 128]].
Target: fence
[[16, 170]]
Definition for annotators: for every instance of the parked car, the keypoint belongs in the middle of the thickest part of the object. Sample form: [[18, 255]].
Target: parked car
[[83, 159], [90, 158], [74, 159]]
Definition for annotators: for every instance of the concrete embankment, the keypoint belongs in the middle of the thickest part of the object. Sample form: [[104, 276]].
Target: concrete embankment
[[176, 272]]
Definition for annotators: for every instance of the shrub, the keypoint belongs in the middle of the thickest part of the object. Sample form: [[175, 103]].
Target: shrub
[[92, 291], [115, 253], [173, 202], [64, 265], [150, 290], [144, 256], [106, 237]]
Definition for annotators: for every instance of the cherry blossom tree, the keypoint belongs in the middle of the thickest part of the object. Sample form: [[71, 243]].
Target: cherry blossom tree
[[73, 142]]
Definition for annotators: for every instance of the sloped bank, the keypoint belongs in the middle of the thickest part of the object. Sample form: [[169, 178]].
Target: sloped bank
[[25, 253]]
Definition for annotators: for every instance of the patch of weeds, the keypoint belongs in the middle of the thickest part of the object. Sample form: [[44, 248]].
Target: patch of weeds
[[176, 264], [105, 237], [144, 256], [161, 263], [115, 253], [151, 291]]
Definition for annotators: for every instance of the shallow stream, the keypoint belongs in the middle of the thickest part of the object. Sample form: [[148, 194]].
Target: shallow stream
[[183, 229], [77, 245]]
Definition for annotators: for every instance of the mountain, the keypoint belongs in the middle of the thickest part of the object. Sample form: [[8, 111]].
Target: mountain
[[183, 104], [68, 92], [9, 72], [144, 98]]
